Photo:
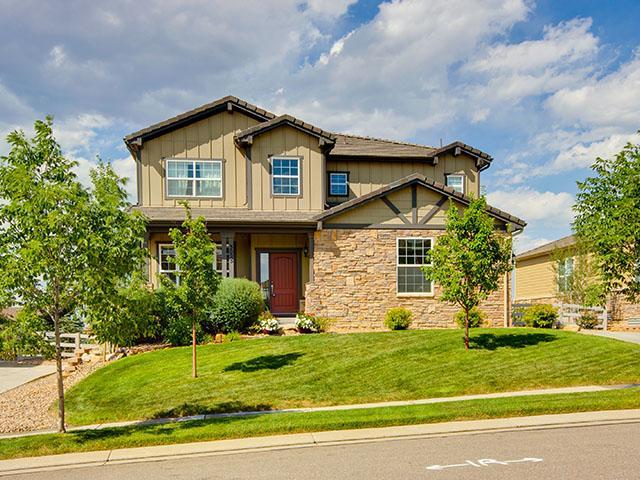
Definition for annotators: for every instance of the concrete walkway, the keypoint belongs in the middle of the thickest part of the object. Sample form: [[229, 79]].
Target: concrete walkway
[[310, 440], [14, 374], [631, 337], [426, 401]]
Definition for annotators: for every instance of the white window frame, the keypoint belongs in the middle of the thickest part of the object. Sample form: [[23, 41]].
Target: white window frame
[[458, 175], [398, 265], [564, 278], [297, 177], [193, 179], [346, 176], [161, 271]]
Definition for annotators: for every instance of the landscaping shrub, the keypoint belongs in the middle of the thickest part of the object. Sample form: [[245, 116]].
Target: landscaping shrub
[[588, 321], [398, 319], [268, 324], [309, 323], [173, 324], [232, 337], [18, 336], [540, 316], [237, 305], [476, 318]]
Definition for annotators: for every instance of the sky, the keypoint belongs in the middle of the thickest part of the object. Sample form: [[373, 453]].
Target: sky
[[544, 87]]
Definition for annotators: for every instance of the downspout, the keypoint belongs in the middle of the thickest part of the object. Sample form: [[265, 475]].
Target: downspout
[[507, 285]]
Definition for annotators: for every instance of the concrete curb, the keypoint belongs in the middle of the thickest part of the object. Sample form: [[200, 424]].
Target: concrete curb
[[306, 440], [399, 403]]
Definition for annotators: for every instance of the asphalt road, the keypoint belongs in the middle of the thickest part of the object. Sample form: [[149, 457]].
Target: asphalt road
[[601, 452]]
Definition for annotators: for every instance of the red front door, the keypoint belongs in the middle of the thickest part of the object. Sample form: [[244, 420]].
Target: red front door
[[283, 273]]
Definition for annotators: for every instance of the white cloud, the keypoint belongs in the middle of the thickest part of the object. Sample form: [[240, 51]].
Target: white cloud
[[546, 208], [610, 100], [333, 8], [525, 242], [583, 155], [80, 132]]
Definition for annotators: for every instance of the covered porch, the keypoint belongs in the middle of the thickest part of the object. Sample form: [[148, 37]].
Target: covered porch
[[279, 258]]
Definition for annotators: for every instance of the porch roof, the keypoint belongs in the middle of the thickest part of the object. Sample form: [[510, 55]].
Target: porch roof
[[228, 215]]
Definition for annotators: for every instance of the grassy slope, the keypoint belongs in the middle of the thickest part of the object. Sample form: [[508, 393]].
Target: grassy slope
[[342, 369], [309, 422]]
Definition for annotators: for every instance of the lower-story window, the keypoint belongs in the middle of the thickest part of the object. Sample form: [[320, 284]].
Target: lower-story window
[[167, 265], [411, 256]]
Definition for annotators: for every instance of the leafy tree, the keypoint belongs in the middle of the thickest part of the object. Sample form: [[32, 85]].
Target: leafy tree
[[198, 281], [61, 244], [577, 276], [607, 220], [469, 259]]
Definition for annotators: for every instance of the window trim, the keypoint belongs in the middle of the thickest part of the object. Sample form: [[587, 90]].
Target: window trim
[[462, 177], [165, 272], [193, 161], [337, 172], [412, 294], [299, 176]]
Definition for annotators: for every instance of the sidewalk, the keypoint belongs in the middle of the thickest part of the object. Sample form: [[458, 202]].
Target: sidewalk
[[521, 393], [630, 337], [14, 374], [306, 440]]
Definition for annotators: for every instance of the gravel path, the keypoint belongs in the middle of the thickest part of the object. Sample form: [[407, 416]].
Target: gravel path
[[31, 406]]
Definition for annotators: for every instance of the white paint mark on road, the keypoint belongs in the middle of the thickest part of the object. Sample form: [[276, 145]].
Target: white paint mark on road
[[484, 462]]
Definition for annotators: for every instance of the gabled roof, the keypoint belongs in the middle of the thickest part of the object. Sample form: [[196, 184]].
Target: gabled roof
[[173, 123], [417, 178], [246, 135], [563, 242]]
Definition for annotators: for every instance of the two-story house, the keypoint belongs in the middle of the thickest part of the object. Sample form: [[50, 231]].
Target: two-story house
[[336, 225]]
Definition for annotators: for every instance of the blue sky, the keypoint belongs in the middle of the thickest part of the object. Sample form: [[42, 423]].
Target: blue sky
[[544, 86]]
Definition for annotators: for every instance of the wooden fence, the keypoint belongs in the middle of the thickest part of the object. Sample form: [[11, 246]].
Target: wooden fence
[[70, 342], [569, 313]]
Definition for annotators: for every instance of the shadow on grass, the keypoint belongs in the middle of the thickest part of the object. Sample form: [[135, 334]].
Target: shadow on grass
[[264, 362], [188, 409], [490, 341]]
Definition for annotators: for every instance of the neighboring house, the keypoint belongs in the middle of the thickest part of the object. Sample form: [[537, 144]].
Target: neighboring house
[[335, 225], [543, 276]]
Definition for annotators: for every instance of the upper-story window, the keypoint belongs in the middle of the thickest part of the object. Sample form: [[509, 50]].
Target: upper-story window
[[285, 176], [338, 184], [456, 182], [194, 178], [412, 256]]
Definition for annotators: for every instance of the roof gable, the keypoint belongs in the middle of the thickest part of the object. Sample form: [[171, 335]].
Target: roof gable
[[417, 179], [227, 103], [246, 136]]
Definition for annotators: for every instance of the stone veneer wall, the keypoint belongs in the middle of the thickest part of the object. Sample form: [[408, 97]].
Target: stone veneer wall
[[621, 312], [355, 282]]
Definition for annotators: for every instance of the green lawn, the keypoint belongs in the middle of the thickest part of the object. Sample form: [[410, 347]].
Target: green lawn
[[280, 372], [283, 423]]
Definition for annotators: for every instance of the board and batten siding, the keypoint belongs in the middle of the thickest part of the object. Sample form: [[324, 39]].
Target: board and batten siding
[[368, 175], [535, 278], [290, 142], [208, 139]]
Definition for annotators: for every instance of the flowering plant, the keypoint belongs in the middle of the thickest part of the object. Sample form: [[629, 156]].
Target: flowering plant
[[268, 324], [306, 323]]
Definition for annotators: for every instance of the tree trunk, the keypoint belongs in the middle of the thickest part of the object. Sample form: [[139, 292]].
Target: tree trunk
[[56, 327], [466, 328], [194, 372]]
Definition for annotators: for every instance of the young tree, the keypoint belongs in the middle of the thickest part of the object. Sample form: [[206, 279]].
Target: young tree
[[197, 277], [577, 276], [59, 242], [469, 259], [607, 219]]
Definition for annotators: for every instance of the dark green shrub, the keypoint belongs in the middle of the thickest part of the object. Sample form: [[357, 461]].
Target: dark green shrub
[[398, 319], [237, 305], [476, 318], [540, 316], [173, 324], [588, 321]]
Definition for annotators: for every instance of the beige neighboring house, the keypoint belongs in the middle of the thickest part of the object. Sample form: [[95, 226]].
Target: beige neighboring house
[[331, 224], [538, 280]]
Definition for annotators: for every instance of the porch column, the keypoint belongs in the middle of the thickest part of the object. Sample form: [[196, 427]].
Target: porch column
[[310, 246], [228, 254]]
